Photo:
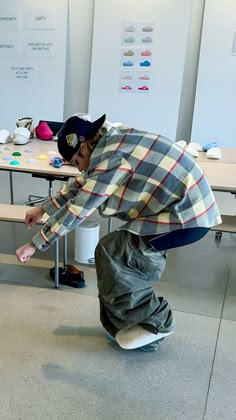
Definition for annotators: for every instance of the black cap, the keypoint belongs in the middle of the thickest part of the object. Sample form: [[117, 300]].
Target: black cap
[[74, 132]]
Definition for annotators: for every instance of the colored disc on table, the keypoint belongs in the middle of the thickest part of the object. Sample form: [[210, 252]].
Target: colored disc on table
[[28, 150], [7, 157], [15, 162], [16, 154], [31, 160], [42, 157]]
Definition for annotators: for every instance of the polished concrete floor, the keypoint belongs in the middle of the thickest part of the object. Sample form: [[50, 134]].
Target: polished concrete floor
[[57, 363]]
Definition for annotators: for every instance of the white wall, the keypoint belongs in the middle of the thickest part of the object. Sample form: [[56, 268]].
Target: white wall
[[32, 76], [155, 110], [78, 60], [214, 112], [79, 50]]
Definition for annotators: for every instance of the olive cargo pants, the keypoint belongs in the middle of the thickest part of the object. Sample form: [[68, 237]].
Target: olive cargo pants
[[126, 273]]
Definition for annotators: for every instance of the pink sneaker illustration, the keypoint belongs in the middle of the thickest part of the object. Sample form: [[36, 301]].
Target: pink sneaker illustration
[[128, 77], [143, 88], [144, 78], [146, 53]]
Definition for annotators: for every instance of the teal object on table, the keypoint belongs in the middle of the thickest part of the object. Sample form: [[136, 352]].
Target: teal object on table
[[209, 146], [14, 162]]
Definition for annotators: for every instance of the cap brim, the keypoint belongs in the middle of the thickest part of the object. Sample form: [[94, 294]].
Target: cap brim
[[99, 123]]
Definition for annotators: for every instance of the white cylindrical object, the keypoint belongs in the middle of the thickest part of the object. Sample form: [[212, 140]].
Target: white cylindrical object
[[86, 239]]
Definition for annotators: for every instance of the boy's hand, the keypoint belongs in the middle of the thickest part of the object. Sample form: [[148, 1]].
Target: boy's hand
[[25, 252], [33, 216]]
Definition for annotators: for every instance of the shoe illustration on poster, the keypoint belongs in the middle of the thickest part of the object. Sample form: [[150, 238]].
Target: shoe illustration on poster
[[136, 55]]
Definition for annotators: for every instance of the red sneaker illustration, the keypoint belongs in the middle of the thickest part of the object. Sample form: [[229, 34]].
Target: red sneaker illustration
[[126, 87], [143, 88]]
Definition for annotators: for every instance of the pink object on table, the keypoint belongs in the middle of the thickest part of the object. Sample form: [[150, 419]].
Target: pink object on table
[[43, 131]]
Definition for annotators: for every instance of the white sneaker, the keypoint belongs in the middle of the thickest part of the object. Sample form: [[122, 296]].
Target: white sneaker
[[182, 143], [195, 146], [21, 135], [136, 336], [214, 153], [109, 125], [193, 152], [5, 136]]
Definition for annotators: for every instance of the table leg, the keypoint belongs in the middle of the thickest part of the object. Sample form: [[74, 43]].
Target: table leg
[[11, 187], [56, 273], [109, 227], [65, 252]]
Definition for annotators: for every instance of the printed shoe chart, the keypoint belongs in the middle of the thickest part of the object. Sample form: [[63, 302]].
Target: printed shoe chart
[[136, 56], [138, 59]]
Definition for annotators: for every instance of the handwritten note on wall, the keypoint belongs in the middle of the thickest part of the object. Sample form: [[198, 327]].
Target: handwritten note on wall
[[32, 52]]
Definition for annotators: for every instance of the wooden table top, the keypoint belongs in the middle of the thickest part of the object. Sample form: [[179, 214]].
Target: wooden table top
[[221, 173], [221, 177], [33, 150], [228, 156]]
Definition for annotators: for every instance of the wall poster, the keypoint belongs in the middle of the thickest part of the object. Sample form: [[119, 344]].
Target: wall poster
[[136, 56]]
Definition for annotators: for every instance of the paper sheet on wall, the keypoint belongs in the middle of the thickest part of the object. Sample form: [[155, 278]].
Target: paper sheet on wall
[[33, 55], [136, 56]]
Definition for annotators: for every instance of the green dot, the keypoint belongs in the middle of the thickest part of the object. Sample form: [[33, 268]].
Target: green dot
[[16, 154]]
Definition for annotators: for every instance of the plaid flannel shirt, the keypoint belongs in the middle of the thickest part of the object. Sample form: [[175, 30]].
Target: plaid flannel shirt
[[144, 179]]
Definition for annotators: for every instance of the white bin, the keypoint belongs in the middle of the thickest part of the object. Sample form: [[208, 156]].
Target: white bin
[[86, 239]]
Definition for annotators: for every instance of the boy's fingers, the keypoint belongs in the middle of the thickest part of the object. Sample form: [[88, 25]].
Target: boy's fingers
[[29, 221]]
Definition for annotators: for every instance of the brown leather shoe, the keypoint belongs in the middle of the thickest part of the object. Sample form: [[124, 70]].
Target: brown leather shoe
[[69, 276]]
